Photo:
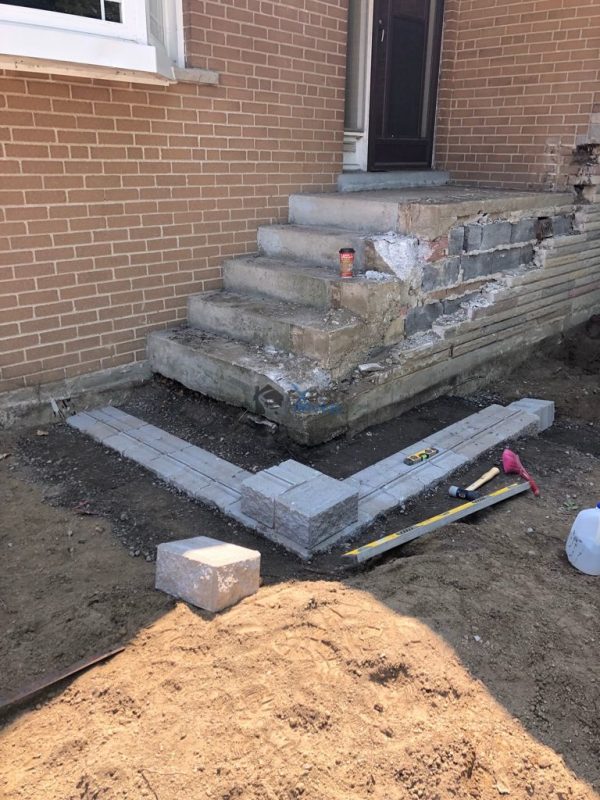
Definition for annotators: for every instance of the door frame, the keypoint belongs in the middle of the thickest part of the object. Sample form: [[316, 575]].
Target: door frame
[[356, 135]]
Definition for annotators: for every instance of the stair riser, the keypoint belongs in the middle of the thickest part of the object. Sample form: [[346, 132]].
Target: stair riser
[[320, 248], [248, 277], [375, 181], [343, 211], [333, 350]]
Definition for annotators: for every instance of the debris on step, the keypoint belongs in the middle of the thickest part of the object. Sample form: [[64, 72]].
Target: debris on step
[[260, 422], [371, 367]]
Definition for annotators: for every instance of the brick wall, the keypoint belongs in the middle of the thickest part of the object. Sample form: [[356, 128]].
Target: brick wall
[[117, 201], [517, 89]]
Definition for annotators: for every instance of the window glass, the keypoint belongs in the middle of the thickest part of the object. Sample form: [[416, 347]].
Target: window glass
[[108, 10]]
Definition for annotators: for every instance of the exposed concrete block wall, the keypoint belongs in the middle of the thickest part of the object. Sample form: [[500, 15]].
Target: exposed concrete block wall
[[518, 88], [117, 201]]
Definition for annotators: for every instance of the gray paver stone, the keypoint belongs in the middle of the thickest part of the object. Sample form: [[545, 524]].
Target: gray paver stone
[[315, 510], [377, 503], [543, 409], [293, 472], [166, 467], [215, 494], [206, 572], [190, 481], [213, 467], [258, 496], [121, 442], [117, 418], [404, 488], [159, 439], [88, 424]]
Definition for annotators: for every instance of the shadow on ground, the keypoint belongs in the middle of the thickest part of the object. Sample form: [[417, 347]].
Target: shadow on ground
[[497, 587]]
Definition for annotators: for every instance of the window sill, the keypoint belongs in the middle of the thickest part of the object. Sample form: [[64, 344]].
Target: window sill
[[32, 48]]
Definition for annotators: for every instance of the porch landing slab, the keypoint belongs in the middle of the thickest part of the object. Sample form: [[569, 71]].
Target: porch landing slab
[[424, 211]]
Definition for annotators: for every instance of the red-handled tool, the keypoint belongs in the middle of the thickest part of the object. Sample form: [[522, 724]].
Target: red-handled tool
[[512, 464]]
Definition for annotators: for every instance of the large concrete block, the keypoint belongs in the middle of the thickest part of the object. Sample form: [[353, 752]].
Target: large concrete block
[[490, 262], [456, 240], [206, 572], [316, 510], [523, 231], [421, 318], [473, 236], [495, 234], [440, 274]]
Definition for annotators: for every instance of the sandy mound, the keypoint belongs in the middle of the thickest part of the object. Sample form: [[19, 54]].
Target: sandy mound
[[307, 690]]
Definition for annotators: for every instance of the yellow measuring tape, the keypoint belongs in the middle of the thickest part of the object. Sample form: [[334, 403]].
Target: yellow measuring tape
[[414, 531]]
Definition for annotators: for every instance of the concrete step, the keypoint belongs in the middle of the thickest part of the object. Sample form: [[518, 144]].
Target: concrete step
[[426, 212], [372, 181], [286, 389], [317, 244], [330, 337], [313, 407], [297, 282], [318, 287]]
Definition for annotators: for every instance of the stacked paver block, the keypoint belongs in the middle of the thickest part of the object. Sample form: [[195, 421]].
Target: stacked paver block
[[299, 506], [206, 572]]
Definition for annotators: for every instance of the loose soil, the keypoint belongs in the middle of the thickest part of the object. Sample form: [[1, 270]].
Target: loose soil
[[464, 665]]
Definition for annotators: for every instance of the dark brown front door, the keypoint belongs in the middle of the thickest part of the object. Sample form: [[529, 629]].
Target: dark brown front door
[[406, 52]]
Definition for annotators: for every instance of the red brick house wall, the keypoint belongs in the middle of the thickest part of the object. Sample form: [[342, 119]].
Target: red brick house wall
[[518, 84], [117, 201]]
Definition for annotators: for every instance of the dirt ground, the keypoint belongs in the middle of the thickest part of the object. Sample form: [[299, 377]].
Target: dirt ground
[[463, 666]]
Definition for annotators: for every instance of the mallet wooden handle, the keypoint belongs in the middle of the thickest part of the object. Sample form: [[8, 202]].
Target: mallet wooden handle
[[484, 479]]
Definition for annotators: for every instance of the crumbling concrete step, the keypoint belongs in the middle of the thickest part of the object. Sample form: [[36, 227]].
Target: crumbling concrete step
[[330, 337], [318, 287], [318, 244], [288, 390], [427, 212], [373, 181], [298, 282]]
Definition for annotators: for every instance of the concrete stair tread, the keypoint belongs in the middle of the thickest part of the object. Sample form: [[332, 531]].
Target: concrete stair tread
[[283, 369], [332, 230], [280, 310], [301, 267]]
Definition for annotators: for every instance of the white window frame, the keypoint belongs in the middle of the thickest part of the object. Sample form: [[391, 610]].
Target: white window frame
[[36, 40], [132, 27]]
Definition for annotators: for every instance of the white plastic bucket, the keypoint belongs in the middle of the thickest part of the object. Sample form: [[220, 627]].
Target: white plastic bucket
[[583, 543]]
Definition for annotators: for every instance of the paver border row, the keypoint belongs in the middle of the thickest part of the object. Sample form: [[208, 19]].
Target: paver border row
[[278, 502]]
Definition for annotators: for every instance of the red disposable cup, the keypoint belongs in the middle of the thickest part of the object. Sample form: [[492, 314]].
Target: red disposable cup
[[347, 262]]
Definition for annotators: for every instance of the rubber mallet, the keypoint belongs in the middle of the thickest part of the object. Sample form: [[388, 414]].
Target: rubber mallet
[[469, 492]]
